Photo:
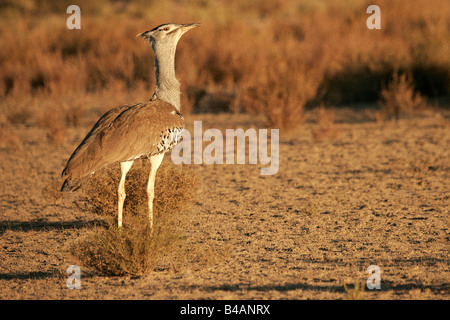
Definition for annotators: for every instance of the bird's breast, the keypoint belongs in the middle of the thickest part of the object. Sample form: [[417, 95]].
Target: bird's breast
[[169, 138]]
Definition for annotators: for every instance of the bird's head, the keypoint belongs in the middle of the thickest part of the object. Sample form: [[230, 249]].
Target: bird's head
[[166, 34]]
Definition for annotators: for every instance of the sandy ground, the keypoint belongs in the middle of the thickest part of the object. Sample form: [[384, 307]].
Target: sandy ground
[[376, 194]]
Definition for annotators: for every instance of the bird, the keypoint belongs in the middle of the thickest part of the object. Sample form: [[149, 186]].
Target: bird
[[143, 130]]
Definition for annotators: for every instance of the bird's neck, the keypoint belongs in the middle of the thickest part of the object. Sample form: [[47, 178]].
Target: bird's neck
[[167, 85]]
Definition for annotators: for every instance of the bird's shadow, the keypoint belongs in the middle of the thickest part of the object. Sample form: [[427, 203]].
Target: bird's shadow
[[386, 286], [43, 225]]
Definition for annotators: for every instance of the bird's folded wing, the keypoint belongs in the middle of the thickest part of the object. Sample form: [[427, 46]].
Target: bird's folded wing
[[125, 134]]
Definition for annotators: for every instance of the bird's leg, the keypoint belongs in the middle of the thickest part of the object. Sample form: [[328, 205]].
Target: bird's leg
[[124, 168], [155, 162]]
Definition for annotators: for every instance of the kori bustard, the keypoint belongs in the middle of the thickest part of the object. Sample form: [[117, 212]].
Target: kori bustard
[[129, 132]]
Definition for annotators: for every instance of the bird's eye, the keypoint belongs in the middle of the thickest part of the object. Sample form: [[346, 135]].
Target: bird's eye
[[166, 29]]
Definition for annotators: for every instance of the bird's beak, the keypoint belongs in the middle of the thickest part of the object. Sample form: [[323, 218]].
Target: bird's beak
[[145, 35], [188, 26]]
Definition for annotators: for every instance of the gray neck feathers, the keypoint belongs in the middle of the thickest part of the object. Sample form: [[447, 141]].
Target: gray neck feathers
[[167, 85]]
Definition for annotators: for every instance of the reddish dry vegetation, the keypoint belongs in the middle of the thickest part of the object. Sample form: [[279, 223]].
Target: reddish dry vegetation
[[272, 59], [364, 152]]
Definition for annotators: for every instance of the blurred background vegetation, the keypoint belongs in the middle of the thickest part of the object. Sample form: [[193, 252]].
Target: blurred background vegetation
[[267, 57]]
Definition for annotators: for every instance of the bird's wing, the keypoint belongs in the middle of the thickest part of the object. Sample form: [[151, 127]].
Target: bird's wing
[[139, 130], [100, 125]]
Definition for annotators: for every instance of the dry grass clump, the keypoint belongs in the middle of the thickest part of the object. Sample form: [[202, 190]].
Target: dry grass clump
[[399, 98], [355, 293], [174, 189], [135, 249], [282, 106]]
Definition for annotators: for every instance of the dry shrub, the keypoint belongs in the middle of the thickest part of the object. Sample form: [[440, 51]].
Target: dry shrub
[[174, 189], [325, 128], [283, 109], [281, 84], [131, 250], [355, 293], [399, 98], [135, 249]]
